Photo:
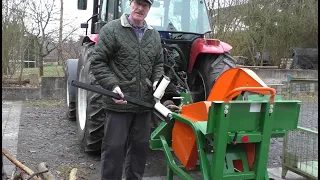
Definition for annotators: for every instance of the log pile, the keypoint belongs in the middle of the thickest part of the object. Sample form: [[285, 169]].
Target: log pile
[[43, 172]]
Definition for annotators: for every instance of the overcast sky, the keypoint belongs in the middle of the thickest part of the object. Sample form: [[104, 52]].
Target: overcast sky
[[79, 16], [71, 12]]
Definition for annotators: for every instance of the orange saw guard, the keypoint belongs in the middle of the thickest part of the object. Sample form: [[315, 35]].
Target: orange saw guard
[[183, 138]]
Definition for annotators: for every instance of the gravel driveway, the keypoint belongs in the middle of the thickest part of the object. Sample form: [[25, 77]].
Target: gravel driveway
[[47, 136]]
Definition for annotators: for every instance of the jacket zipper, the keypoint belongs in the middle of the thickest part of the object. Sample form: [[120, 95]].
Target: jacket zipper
[[139, 43]]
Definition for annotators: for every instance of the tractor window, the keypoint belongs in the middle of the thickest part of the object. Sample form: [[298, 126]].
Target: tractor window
[[120, 8], [110, 10], [104, 10], [177, 15], [107, 12]]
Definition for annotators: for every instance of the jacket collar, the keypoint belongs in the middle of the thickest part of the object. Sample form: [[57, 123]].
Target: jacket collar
[[125, 23]]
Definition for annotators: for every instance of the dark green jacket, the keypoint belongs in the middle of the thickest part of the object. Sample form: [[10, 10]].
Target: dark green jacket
[[119, 59]]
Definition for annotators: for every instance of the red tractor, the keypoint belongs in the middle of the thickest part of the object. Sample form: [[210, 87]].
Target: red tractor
[[192, 61]]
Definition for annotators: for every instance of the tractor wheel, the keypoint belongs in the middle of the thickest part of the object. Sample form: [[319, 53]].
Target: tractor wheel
[[207, 69], [71, 113], [90, 110], [70, 98]]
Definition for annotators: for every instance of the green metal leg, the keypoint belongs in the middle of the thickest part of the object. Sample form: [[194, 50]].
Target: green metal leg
[[220, 143], [169, 173], [266, 176], [263, 147], [171, 165]]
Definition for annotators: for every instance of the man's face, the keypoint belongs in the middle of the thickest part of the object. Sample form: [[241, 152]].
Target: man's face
[[139, 9]]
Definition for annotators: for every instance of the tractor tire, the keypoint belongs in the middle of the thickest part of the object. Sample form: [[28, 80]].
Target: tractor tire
[[206, 71], [71, 74], [90, 109]]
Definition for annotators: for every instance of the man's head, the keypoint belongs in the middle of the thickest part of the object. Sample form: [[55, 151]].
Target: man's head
[[139, 9]]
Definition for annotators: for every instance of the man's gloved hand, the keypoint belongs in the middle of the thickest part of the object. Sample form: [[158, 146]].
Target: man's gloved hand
[[171, 106], [154, 85], [118, 91]]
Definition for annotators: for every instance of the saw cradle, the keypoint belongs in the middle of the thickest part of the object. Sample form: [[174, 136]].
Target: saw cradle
[[228, 135]]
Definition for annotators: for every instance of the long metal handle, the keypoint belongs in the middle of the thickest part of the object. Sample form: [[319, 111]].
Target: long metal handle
[[271, 90], [110, 94]]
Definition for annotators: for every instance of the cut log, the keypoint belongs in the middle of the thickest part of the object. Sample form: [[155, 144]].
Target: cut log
[[19, 164], [73, 174]]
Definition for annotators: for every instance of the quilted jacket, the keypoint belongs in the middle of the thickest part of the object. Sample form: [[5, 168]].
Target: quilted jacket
[[120, 59]]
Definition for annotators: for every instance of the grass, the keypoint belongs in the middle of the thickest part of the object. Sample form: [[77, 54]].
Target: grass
[[43, 103], [48, 71]]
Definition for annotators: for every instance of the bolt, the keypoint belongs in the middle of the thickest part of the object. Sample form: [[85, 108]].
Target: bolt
[[271, 108]]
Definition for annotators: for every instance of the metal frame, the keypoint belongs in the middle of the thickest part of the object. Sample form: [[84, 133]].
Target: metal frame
[[293, 166], [217, 131]]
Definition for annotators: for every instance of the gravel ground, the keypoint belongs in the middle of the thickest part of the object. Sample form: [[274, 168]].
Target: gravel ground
[[308, 119], [47, 136]]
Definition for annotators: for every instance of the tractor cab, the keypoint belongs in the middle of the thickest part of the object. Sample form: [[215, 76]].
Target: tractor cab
[[171, 16]]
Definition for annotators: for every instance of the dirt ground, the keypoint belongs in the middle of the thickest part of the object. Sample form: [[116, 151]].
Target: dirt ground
[[46, 135]]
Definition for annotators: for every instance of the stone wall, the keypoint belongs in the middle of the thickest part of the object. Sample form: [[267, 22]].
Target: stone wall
[[54, 87], [50, 88], [279, 76]]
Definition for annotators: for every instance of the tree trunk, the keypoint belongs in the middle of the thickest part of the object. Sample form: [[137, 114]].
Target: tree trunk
[[5, 61], [41, 66], [60, 58]]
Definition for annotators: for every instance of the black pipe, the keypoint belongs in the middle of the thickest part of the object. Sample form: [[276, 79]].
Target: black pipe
[[95, 18], [110, 94]]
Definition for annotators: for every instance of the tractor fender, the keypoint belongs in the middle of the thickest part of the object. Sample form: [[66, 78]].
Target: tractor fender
[[90, 38], [200, 46], [71, 74]]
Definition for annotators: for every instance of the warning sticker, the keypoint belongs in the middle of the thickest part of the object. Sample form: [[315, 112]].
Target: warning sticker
[[255, 107]]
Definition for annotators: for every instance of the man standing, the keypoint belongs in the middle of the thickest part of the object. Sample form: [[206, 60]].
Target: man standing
[[128, 59]]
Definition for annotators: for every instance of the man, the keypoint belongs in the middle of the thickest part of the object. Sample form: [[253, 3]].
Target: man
[[127, 59]]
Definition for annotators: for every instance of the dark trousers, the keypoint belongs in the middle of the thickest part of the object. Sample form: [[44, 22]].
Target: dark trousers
[[126, 139]]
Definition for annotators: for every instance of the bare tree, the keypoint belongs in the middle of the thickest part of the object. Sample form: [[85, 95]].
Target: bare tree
[[60, 33], [71, 48], [13, 37], [44, 13], [252, 26]]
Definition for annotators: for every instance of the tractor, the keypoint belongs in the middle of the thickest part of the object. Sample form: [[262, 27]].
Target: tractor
[[226, 116], [192, 61]]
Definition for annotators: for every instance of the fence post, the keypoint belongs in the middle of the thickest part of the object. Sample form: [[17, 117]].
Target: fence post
[[289, 77]]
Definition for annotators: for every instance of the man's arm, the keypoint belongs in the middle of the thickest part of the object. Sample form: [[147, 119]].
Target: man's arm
[[103, 51], [157, 70]]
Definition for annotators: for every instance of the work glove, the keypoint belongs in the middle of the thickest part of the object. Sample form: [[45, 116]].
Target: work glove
[[118, 91], [154, 86], [171, 106]]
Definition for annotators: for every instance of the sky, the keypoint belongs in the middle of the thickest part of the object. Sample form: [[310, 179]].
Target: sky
[[71, 13], [77, 16]]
